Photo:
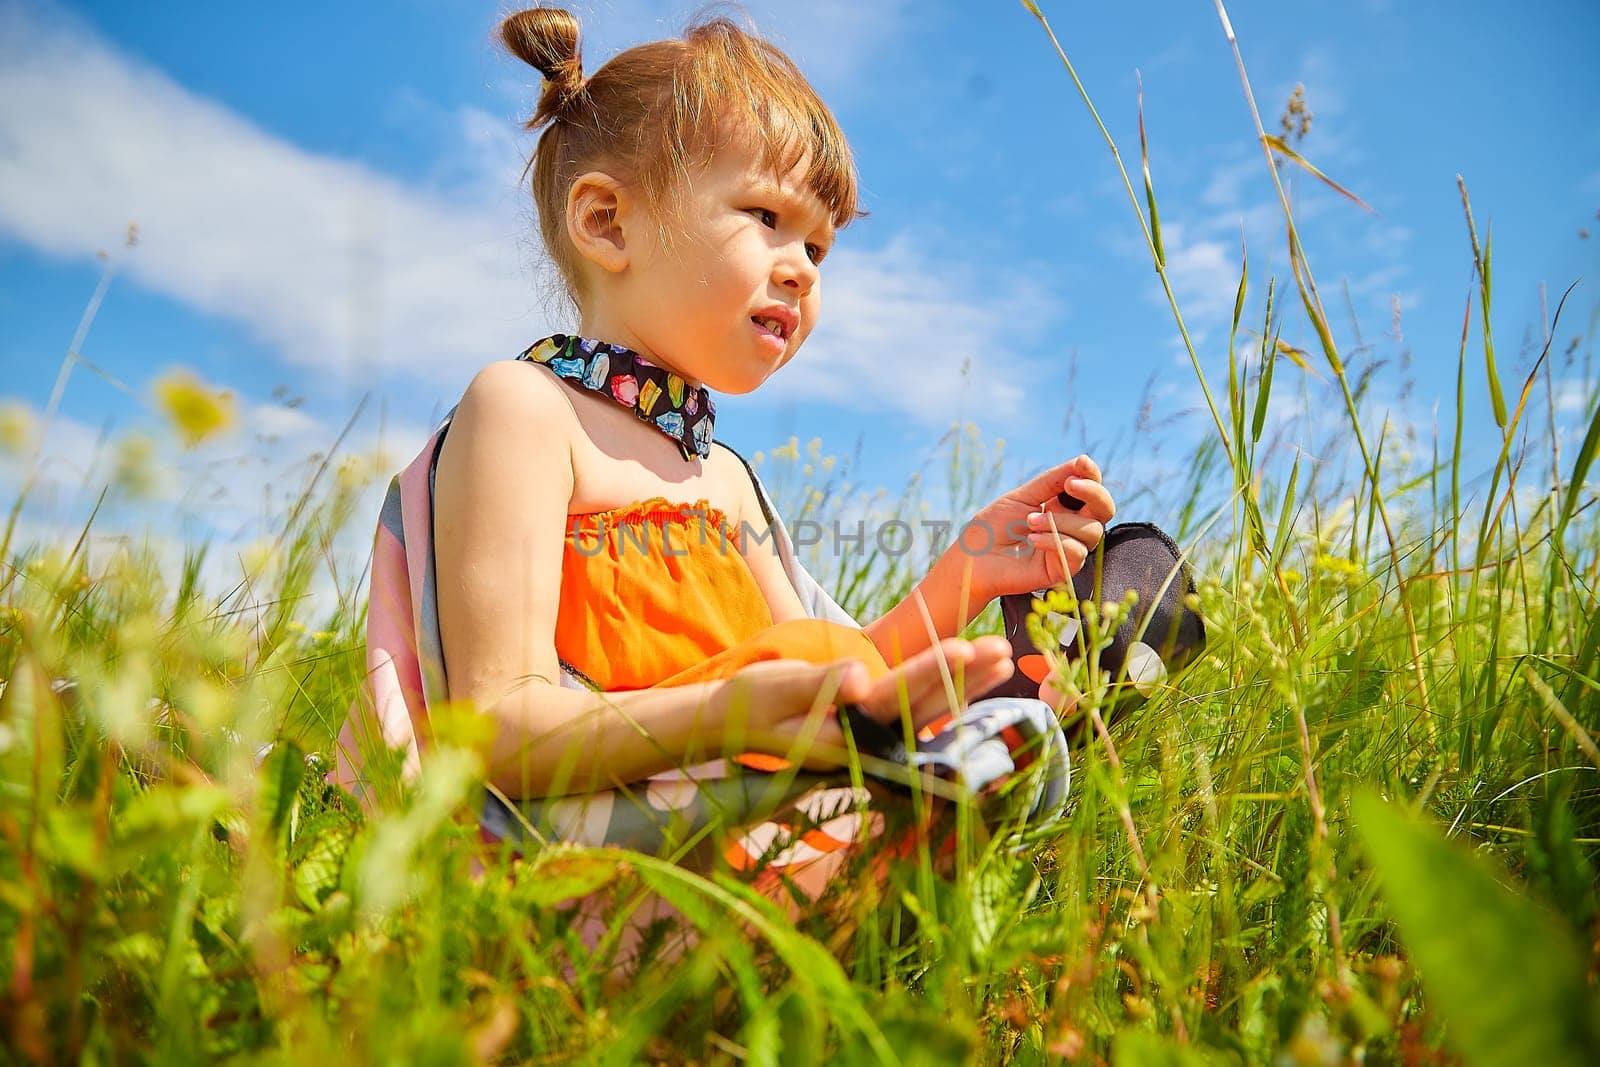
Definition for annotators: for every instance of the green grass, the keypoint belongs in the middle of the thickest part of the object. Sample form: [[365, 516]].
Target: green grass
[[1254, 867]]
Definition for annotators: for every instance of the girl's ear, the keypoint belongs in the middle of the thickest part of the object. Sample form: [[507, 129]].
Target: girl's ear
[[596, 203]]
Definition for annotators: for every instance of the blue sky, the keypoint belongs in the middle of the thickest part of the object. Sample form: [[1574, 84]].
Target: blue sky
[[329, 208]]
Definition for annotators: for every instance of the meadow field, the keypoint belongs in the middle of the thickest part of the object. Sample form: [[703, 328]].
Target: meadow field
[[1363, 827]]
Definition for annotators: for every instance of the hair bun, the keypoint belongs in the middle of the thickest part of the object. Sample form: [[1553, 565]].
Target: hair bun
[[546, 38]]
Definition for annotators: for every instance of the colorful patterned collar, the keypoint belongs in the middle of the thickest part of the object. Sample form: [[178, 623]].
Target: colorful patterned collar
[[658, 396]]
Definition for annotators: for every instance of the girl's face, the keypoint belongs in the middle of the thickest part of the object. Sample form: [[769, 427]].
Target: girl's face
[[734, 291]]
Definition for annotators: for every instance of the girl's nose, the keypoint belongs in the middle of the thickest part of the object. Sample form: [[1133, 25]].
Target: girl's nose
[[794, 270]]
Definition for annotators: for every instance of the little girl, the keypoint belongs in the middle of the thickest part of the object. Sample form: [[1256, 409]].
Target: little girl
[[583, 562]]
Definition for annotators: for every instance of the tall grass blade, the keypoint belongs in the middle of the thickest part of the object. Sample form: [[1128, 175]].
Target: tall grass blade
[[1580, 471], [1286, 514], [1298, 356], [1503, 461], [1279, 145], [1481, 257], [1238, 299], [1149, 189], [1559, 712], [810, 963], [1457, 435], [1264, 391], [1258, 531], [1235, 382], [1506, 975], [1313, 306]]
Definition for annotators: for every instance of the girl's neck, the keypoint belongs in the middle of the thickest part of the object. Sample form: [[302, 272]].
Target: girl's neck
[[598, 326]]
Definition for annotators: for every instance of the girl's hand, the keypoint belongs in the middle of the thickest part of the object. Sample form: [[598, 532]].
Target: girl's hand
[[1031, 552], [788, 707]]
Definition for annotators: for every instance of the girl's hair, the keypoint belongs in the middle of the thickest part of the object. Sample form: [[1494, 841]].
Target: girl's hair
[[656, 110]]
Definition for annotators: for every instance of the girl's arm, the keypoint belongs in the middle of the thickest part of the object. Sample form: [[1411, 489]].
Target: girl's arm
[[1036, 536], [553, 740]]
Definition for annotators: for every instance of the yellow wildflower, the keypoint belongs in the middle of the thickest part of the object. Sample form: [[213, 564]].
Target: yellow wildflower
[[1336, 565], [16, 427], [195, 410]]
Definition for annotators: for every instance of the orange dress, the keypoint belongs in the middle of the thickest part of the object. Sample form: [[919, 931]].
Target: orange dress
[[658, 593]]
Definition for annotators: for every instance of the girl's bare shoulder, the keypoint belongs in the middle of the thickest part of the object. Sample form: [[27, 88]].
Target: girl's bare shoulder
[[514, 389], [508, 415]]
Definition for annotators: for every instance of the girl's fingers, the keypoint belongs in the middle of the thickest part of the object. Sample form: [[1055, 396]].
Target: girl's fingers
[[1097, 507], [989, 670], [1063, 556], [803, 682], [803, 689], [920, 676], [1078, 477], [1097, 502], [975, 671], [975, 681], [1089, 531], [854, 683], [1048, 482], [975, 667], [773, 691]]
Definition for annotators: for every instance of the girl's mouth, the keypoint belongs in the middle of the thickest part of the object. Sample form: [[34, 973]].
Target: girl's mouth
[[778, 329]]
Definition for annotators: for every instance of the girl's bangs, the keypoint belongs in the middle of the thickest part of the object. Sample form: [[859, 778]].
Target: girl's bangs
[[794, 128], [760, 90]]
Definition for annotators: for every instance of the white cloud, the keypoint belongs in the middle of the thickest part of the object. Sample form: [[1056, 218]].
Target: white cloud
[[340, 268], [1204, 273], [1574, 397], [897, 328], [278, 421], [1226, 182], [350, 274]]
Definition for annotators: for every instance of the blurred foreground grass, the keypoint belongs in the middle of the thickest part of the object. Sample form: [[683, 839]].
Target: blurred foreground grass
[[1254, 867]]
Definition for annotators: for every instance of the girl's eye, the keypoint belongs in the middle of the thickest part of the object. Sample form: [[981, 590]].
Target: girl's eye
[[769, 218]]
